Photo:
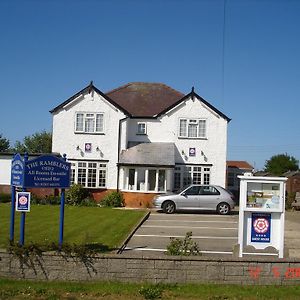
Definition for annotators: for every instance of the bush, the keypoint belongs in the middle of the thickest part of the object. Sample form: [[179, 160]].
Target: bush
[[5, 198], [113, 199], [76, 194], [151, 292], [88, 202], [289, 200], [184, 247]]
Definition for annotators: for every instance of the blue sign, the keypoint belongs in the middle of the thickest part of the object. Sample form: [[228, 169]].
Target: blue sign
[[47, 171], [23, 201], [261, 228], [17, 171], [192, 151]]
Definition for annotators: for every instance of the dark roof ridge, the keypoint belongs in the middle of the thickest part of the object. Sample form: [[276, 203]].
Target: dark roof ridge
[[143, 82]]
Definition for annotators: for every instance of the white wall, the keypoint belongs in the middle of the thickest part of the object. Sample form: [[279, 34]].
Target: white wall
[[65, 140], [165, 129]]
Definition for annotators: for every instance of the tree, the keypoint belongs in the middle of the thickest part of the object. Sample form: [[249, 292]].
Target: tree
[[4, 144], [40, 142], [281, 163]]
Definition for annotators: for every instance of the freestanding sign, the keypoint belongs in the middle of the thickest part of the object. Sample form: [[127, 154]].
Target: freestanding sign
[[261, 215], [47, 172], [17, 171]]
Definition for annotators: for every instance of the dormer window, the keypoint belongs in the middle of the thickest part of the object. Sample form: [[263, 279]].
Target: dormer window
[[192, 128], [141, 128], [89, 122]]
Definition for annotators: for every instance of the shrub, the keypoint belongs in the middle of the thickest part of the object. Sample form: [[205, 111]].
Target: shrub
[[184, 246], [88, 202], [151, 292], [114, 199], [289, 200], [76, 194], [5, 198]]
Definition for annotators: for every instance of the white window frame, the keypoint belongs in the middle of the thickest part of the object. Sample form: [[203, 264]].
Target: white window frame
[[87, 119], [188, 174], [140, 126], [184, 130], [100, 168]]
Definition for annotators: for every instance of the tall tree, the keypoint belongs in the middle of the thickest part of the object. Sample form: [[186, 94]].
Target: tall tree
[[40, 142], [281, 163], [4, 144]]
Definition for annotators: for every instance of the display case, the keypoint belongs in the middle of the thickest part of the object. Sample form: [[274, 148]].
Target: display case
[[261, 215]]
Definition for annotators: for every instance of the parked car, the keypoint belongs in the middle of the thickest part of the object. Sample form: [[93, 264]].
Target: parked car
[[196, 197]]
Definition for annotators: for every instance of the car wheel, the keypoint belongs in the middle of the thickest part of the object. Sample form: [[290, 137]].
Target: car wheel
[[223, 208], [169, 207]]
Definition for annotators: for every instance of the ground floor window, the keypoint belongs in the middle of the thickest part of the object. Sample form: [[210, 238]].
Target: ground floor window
[[188, 174], [145, 179], [89, 174]]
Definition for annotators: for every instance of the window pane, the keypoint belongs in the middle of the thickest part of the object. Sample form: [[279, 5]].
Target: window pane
[[91, 177], [206, 178], [89, 123], [99, 123], [131, 177], [102, 178], [192, 130], [79, 122], [141, 129], [81, 176], [141, 179], [182, 127], [202, 128], [161, 180], [152, 180]]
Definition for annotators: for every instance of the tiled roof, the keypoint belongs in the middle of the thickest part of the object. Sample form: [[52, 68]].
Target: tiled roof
[[143, 99], [240, 164], [156, 154]]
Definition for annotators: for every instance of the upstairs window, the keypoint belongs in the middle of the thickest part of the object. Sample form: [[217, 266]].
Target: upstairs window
[[192, 128], [89, 122], [141, 128]]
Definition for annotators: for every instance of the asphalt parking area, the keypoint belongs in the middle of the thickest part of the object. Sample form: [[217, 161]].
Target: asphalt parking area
[[215, 234]]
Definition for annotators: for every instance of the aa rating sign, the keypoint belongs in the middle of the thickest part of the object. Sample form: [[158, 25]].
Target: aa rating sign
[[23, 201], [261, 228]]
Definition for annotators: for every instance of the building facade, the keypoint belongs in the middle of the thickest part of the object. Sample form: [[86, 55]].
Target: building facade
[[141, 139]]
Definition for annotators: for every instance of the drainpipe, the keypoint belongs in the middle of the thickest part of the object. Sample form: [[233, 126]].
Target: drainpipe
[[119, 148]]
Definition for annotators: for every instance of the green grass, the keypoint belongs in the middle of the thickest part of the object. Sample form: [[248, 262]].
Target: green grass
[[12, 289], [82, 225]]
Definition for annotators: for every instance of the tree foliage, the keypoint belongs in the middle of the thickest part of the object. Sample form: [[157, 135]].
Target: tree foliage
[[281, 163], [40, 142], [4, 144]]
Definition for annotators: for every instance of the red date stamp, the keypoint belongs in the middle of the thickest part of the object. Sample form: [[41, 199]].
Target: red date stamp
[[288, 273]]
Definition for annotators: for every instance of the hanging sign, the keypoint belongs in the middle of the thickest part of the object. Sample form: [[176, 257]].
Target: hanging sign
[[17, 171], [192, 151], [47, 171], [261, 228], [23, 201]]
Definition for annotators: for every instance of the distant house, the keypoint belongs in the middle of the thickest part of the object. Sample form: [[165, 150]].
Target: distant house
[[235, 168], [141, 139], [293, 181]]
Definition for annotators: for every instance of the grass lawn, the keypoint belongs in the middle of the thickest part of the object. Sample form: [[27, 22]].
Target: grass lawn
[[12, 289], [83, 225]]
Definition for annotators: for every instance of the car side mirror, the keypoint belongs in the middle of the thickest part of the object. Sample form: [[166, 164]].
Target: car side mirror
[[183, 194]]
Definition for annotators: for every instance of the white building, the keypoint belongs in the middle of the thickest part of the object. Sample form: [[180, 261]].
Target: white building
[[141, 138]]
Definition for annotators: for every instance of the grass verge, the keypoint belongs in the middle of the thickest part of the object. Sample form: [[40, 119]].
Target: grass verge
[[12, 289], [82, 225]]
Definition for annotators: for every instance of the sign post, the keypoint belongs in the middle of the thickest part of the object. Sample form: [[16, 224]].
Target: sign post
[[261, 215], [17, 177]]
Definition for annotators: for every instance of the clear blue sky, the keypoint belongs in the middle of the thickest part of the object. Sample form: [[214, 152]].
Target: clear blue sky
[[52, 49]]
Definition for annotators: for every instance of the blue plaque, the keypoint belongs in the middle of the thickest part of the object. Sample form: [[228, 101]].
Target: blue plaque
[[17, 171], [47, 171], [261, 228]]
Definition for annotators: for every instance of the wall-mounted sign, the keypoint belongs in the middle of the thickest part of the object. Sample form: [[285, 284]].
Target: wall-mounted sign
[[261, 228], [17, 171], [23, 201], [88, 147], [47, 172], [192, 151]]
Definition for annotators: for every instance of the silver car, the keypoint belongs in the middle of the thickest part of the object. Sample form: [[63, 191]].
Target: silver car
[[196, 197]]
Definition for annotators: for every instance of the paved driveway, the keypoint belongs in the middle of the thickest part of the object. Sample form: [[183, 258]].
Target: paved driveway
[[215, 234]]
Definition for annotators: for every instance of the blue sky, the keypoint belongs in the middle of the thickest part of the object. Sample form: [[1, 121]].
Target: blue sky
[[52, 49]]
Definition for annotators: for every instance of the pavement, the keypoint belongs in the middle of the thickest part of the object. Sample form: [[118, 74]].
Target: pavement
[[216, 235]]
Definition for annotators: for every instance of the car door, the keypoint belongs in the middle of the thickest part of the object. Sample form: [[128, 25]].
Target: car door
[[189, 199], [209, 197]]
